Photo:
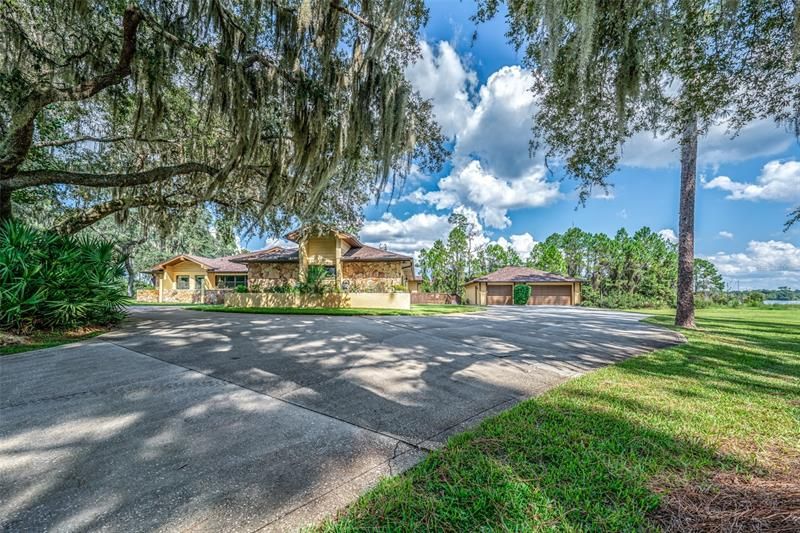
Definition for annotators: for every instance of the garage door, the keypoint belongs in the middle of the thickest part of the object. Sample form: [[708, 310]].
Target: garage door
[[498, 295], [551, 295]]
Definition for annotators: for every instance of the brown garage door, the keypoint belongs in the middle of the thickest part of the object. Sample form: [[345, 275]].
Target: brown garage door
[[551, 295], [498, 294]]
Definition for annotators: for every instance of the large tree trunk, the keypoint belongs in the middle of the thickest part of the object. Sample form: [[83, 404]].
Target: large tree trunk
[[131, 276], [5, 203], [684, 315]]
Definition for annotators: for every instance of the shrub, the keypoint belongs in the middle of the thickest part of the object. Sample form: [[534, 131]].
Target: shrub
[[53, 281], [315, 282], [286, 288], [521, 294], [621, 300], [241, 289], [754, 298]]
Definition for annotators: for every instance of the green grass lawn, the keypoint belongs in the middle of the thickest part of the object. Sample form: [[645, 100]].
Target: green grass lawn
[[673, 439], [48, 339], [416, 310]]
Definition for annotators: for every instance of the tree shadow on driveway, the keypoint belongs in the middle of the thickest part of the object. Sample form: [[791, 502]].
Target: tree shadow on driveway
[[223, 422]]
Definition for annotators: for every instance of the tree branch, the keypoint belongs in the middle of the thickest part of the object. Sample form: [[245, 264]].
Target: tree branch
[[130, 24], [18, 139], [32, 178], [87, 138], [71, 224], [352, 14], [794, 217]]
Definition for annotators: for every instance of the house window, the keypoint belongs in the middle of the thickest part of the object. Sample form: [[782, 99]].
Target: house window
[[199, 281], [231, 282], [182, 282]]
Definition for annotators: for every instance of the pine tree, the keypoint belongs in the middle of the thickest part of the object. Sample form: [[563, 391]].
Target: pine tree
[[607, 70]]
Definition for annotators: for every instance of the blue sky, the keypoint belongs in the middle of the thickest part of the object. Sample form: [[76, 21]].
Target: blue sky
[[481, 99]]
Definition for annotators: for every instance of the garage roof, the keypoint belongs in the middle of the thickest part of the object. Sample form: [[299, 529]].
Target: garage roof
[[521, 275]]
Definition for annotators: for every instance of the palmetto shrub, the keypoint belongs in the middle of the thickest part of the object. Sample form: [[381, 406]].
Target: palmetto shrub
[[315, 282], [53, 281]]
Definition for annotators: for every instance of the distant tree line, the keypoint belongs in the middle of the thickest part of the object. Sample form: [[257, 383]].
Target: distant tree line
[[626, 270], [783, 294]]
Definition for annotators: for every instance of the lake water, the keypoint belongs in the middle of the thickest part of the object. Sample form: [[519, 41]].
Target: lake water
[[782, 302]]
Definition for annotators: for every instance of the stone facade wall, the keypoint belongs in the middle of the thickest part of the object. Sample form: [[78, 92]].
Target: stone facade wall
[[356, 276], [264, 275], [371, 276]]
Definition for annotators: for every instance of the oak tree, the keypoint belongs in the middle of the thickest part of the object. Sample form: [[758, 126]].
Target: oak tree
[[267, 110]]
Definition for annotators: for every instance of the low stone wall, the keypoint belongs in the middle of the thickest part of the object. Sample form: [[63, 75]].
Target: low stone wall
[[363, 300], [147, 295], [184, 296]]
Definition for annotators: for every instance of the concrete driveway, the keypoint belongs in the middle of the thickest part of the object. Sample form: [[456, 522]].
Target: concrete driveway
[[232, 422]]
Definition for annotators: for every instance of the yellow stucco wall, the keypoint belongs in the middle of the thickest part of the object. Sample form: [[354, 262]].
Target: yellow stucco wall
[[321, 250], [472, 294], [188, 268], [374, 300]]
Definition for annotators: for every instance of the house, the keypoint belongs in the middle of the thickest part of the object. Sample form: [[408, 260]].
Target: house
[[497, 288], [194, 279], [351, 265]]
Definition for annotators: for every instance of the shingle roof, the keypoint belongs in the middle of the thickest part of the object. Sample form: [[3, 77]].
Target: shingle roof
[[272, 255], [369, 253], [521, 275], [218, 264], [228, 263]]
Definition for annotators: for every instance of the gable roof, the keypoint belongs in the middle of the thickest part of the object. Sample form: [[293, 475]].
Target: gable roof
[[370, 253], [271, 255], [299, 233], [521, 275]]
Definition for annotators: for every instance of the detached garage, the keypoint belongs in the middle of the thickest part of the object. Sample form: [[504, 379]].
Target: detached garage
[[497, 288]]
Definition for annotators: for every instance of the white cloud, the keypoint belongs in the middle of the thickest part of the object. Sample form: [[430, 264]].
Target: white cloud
[[490, 196], [492, 168], [765, 264], [498, 132], [522, 244], [405, 236], [762, 138], [600, 194], [622, 213], [442, 77], [778, 181], [726, 234], [417, 231], [668, 235]]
